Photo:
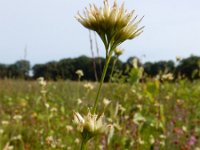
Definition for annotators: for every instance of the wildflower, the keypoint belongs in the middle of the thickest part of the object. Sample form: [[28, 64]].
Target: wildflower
[[152, 139], [77, 141], [118, 51], [34, 115], [17, 117], [90, 125], [192, 140], [79, 101], [152, 124], [113, 24], [168, 76], [18, 137], [8, 146], [41, 81], [54, 109], [139, 107], [138, 118], [47, 105], [140, 141], [4, 122], [69, 148], [43, 84], [106, 102], [109, 119], [50, 140], [122, 108], [134, 91], [79, 73], [69, 128], [101, 147], [126, 117], [162, 136], [89, 86], [184, 128], [162, 143]]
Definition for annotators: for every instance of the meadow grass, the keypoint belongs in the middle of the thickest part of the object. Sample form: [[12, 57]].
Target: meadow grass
[[144, 116]]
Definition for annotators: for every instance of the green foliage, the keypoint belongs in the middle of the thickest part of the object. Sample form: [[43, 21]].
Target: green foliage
[[20, 69], [143, 116], [66, 68], [189, 67], [153, 69]]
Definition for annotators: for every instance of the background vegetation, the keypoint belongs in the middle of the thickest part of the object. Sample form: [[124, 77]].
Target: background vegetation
[[66, 68], [144, 116], [154, 106]]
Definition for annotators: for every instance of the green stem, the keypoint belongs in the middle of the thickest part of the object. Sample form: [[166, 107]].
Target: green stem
[[85, 139], [113, 67], [83, 145], [108, 57]]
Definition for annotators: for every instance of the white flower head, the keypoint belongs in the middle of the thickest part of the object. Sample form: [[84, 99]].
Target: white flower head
[[106, 102], [69, 128], [80, 73], [113, 24], [168, 76], [42, 82], [138, 119], [118, 51], [88, 86], [91, 123], [79, 101], [17, 117], [4, 122]]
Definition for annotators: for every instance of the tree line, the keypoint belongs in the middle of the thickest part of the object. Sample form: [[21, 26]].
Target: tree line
[[92, 68]]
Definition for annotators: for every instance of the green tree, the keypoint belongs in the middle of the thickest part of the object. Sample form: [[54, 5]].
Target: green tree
[[20, 69], [189, 67]]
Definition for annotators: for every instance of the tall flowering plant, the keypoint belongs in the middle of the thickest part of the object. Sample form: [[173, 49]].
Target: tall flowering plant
[[114, 25]]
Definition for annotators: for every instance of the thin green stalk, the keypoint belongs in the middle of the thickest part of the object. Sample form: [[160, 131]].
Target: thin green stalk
[[85, 139], [83, 145], [113, 67], [108, 57]]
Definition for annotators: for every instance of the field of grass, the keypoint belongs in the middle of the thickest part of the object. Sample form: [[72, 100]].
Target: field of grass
[[143, 116]]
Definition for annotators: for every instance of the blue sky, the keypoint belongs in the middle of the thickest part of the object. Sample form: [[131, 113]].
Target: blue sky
[[50, 32]]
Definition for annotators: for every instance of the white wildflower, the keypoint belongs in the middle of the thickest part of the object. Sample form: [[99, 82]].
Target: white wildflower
[[79, 73], [106, 102]]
